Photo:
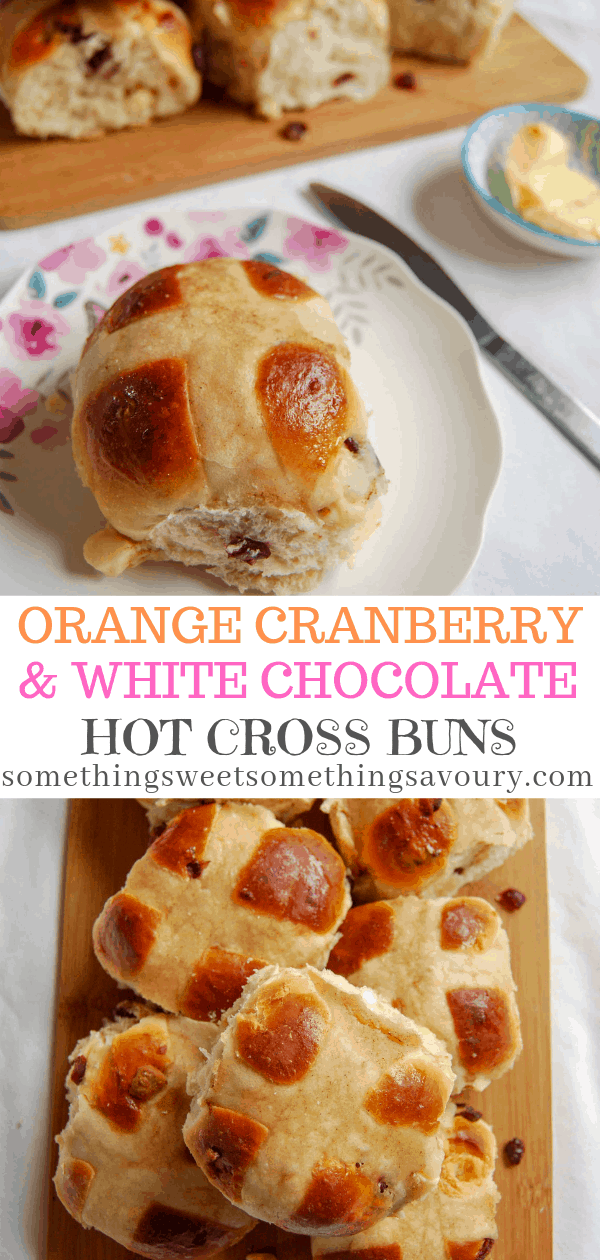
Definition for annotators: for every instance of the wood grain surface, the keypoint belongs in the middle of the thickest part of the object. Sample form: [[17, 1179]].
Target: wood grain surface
[[52, 179], [106, 837]]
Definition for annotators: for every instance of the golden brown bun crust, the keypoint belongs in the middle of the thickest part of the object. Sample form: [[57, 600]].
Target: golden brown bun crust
[[223, 891], [83, 68], [123, 1167], [221, 389], [446, 964], [452, 31], [424, 848], [381, 1084], [278, 55], [212, 308], [161, 809], [457, 1221]]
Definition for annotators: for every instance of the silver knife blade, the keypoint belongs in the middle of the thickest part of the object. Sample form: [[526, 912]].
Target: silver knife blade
[[575, 421]]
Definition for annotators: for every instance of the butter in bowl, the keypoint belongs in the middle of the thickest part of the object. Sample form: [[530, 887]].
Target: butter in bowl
[[535, 171]]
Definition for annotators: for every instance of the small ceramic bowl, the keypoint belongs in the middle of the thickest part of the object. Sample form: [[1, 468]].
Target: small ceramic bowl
[[484, 153]]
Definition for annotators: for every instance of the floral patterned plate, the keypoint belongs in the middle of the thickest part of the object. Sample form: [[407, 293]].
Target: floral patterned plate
[[414, 360]]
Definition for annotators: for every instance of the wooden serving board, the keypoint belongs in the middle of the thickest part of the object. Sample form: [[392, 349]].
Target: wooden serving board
[[42, 180], [106, 837]]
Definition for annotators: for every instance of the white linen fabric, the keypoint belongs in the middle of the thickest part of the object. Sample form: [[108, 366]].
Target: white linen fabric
[[31, 848]]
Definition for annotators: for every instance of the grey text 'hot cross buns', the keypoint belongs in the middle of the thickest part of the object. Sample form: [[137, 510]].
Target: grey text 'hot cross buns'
[[295, 54], [218, 895], [123, 1166], [161, 810], [82, 68], [457, 1221], [427, 848], [446, 964], [320, 1107], [217, 424]]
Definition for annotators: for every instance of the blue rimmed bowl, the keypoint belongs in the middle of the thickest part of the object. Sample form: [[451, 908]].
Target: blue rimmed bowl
[[484, 152]]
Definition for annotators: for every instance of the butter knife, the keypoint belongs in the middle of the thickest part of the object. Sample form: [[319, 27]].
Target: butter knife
[[575, 421]]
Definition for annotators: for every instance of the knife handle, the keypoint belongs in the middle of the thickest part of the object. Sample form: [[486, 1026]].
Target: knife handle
[[573, 418]]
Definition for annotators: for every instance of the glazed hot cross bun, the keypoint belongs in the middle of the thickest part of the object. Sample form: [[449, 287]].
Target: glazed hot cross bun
[[451, 30], [123, 1166], [79, 68], [217, 424], [427, 848], [160, 810], [457, 1221], [223, 891], [295, 54], [445, 963], [320, 1107]]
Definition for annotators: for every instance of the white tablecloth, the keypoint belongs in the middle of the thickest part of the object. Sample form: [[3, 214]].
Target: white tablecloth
[[543, 527], [31, 846]]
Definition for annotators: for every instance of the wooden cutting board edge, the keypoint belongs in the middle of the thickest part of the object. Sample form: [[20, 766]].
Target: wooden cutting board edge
[[47, 180], [525, 1211]]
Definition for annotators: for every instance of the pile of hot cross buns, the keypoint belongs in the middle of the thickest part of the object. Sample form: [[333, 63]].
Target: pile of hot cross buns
[[284, 1079], [80, 68]]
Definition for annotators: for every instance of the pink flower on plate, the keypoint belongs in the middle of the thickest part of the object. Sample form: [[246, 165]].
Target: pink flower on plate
[[32, 331], [228, 245], [204, 247], [315, 244], [124, 275], [73, 262], [15, 402]]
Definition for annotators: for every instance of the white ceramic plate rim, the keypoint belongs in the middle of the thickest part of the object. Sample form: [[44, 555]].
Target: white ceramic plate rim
[[504, 112], [486, 415]]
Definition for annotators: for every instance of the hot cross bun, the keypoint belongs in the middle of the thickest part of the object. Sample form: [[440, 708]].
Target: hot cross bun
[[161, 810], [320, 1107], [445, 963], [123, 1167], [425, 848], [79, 68], [457, 1221], [223, 891], [217, 424], [451, 30], [295, 54]]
